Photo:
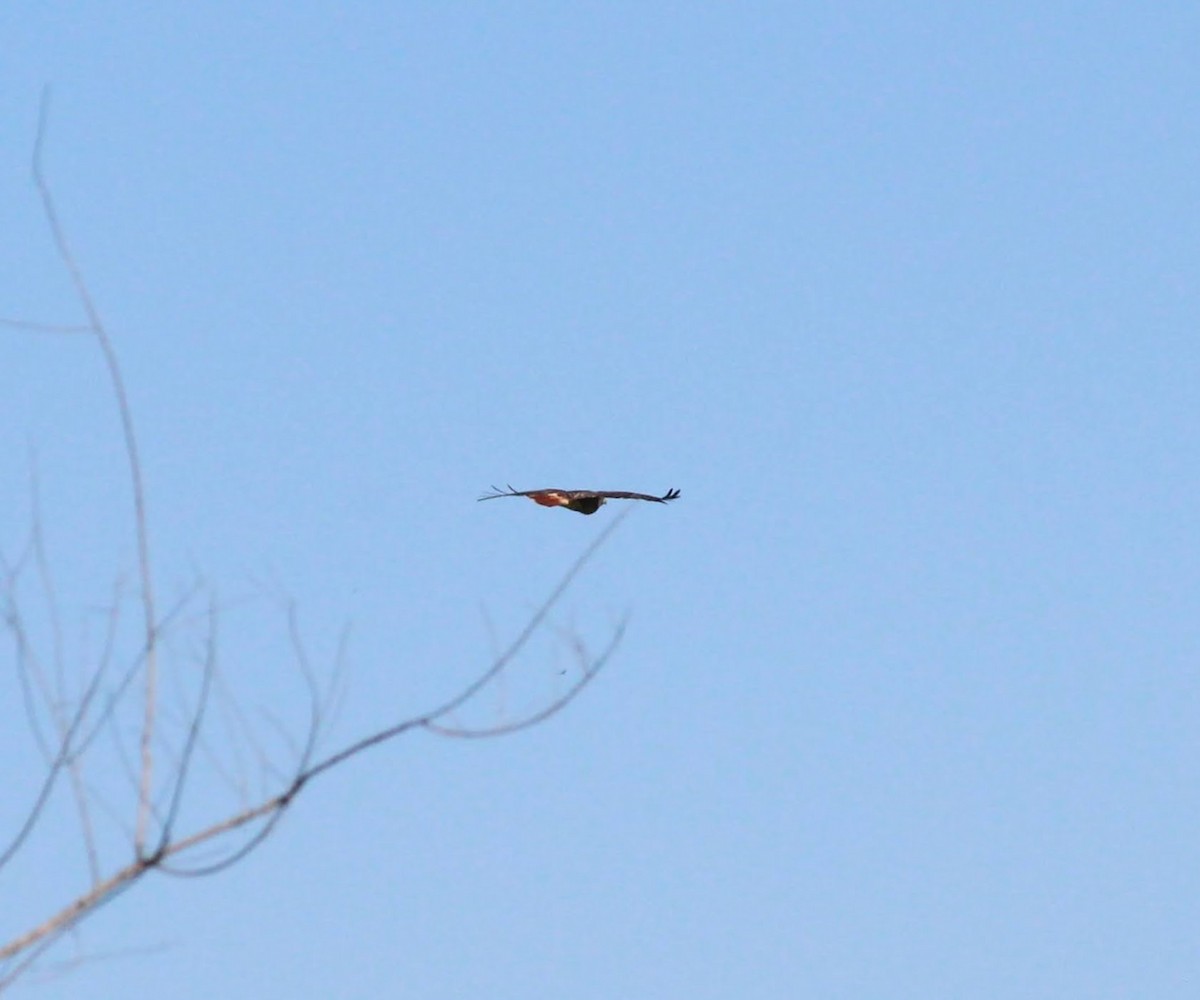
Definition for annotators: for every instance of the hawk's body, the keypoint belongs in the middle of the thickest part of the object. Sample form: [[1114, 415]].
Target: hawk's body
[[581, 501]]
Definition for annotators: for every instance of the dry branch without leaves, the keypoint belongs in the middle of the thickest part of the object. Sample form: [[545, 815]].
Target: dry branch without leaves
[[117, 698]]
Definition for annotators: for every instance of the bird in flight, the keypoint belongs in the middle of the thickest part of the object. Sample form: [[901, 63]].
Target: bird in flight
[[580, 501]]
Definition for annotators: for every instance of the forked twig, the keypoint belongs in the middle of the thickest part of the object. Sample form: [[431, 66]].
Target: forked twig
[[156, 846], [141, 527]]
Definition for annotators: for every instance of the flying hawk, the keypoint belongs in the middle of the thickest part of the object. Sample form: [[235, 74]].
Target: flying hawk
[[581, 501]]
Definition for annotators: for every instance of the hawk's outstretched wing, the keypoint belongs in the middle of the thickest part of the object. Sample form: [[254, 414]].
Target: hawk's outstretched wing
[[619, 495], [510, 492]]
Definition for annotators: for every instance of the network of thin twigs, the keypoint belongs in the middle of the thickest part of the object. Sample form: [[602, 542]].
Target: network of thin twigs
[[66, 730]]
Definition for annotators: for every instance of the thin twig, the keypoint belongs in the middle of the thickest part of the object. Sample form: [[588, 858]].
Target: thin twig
[[32, 326], [193, 733], [55, 705], [141, 527], [479, 683], [77, 737], [60, 761], [557, 705]]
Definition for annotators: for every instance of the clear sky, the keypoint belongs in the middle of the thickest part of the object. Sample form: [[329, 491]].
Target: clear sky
[[902, 297]]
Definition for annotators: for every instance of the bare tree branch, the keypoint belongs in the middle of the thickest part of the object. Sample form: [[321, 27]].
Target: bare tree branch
[[141, 528], [193, 733], [162, 790], [493, 671], [56, 767], [33, 327], [56, 704]]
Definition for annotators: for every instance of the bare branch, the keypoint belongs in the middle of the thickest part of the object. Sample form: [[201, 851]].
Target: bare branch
[[68, 917], [479, 683], [141, 527], [56, 704], [56, 767], [161, 789], [193, 733], [33, 327], [557, 705]]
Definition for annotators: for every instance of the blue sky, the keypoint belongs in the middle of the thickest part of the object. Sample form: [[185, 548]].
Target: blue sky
[[903, 299]]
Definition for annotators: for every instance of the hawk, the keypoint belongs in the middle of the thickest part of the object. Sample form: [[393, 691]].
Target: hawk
[[580, 501]]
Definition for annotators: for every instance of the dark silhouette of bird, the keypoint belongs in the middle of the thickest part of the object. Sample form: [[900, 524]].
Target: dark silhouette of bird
[[580, 501]]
